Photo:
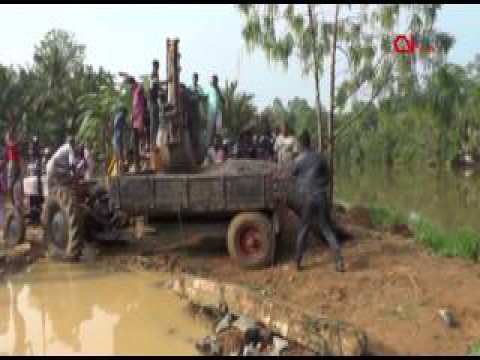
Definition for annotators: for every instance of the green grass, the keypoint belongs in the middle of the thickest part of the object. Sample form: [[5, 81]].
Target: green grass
[[385, 217], [462, 243], [475, 349]]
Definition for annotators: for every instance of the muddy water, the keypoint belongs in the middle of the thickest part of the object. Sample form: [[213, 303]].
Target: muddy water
[[73, 309], [449, 199]]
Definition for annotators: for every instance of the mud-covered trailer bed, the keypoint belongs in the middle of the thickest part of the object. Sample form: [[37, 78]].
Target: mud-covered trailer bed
[[245, 193], [164, 195]]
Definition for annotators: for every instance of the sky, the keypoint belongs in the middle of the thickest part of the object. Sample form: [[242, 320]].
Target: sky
[[126, 37]]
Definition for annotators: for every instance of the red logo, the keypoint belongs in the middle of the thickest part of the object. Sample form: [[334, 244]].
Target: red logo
[[403, 44]]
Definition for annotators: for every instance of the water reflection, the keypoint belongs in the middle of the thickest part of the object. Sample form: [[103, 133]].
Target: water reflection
[[446, 198], [67, 309]]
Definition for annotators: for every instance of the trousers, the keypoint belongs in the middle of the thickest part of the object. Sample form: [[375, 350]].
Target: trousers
[[316, 209]]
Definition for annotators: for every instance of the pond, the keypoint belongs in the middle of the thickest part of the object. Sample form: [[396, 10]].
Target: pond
[[55, 309], [446, 198]]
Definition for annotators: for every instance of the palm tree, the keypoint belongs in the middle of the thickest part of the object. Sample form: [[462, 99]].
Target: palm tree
[[238, 109]]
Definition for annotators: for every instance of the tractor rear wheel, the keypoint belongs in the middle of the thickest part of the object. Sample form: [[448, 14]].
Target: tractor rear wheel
[[14, 229], [62, 225]]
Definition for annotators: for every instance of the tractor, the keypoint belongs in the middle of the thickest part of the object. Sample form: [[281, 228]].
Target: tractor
[[250, 199]]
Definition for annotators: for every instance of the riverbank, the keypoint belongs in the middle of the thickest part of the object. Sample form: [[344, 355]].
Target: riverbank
[[393, 288]]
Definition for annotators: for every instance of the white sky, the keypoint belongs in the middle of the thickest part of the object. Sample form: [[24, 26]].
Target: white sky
[[127, 37]]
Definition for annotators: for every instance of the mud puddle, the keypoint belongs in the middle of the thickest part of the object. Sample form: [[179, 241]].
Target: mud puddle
[[58, 309]]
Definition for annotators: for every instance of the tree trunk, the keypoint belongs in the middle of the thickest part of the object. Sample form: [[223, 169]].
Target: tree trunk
[[316, 70], [331, 135]]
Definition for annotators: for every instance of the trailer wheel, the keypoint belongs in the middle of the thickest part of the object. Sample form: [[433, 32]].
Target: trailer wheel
[[14, 229], [251, 240], [62, 225]]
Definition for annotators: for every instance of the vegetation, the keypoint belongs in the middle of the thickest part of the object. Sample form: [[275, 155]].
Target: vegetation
[[462, 243], [475, 349], [59, 94], [358, 31]]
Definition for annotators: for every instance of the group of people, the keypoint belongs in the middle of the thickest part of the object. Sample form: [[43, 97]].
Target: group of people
[[59, 167], [147, 117], [279, 145]]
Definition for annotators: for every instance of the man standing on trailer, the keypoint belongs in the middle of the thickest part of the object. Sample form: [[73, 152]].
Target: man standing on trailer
[[138, 118]]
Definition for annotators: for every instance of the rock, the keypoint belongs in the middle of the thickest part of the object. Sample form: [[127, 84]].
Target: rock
[[448, 318], [279, 345], [208, 346], [225, 323], [243, 324], [250, 350]]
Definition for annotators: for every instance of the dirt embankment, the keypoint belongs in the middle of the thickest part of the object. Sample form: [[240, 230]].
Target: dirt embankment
[[392, 288]]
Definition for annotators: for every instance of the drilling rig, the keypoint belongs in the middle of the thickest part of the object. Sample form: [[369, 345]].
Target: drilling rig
[[177, 148]]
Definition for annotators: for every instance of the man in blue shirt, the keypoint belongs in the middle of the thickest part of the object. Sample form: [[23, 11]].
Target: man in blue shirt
[[119, 122]]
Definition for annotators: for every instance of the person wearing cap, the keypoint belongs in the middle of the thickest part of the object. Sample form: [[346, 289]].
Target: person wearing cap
[[61, 166]]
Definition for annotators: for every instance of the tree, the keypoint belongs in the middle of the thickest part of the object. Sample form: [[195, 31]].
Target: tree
[[358, 34], [238, 109], [59, 66]]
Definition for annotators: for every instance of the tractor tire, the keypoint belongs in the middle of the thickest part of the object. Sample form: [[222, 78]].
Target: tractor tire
[[63, 225], [251, 240], [14, 228]]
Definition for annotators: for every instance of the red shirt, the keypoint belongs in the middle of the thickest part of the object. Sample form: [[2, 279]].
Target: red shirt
[[12, 151], [138, 107]]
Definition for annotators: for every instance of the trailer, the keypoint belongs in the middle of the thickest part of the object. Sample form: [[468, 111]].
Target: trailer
[[251, 201]]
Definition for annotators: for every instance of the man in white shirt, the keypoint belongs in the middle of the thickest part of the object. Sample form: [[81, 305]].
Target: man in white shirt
[[61, 165], [285, 146]]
